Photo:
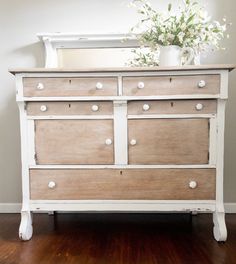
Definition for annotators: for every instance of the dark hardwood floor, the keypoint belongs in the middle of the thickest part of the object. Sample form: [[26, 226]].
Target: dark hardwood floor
[[117, 239]]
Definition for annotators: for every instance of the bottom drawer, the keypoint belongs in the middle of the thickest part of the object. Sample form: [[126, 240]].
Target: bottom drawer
[[127, 184]]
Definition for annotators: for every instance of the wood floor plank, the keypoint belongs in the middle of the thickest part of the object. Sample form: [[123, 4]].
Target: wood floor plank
[[117, 239]]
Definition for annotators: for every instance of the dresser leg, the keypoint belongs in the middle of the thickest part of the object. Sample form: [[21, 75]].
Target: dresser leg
[[51, 213], [219, 230], [194, 213], [26, 228]]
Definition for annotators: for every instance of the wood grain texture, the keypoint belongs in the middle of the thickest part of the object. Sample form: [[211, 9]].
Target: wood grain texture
[[228, 67], [74, 141], [69, 108], [172, 107], [168, 141], [171, 85], [144, 184], [69, 86], [151, 238]]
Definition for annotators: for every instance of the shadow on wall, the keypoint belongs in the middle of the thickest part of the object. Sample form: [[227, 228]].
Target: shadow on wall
[[35, 51], [10, 163], [10, 151]]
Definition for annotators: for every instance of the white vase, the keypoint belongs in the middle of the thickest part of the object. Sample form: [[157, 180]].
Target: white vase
[[173, 56], [197, 59]]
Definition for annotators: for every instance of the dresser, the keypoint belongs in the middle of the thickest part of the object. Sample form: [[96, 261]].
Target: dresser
[[123, 140]]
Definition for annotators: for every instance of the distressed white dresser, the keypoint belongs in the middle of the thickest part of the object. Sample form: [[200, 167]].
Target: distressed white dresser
[[123, 139]]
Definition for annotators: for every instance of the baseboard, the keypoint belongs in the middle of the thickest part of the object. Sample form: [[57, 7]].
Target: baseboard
[[10, 207], [230, 208]]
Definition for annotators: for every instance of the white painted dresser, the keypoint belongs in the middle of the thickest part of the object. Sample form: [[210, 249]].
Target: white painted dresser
[[123, 139]]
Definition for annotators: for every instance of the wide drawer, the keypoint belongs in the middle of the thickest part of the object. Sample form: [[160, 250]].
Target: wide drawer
[[69, 86], [69, 108], [171, 85], [127, 184], [172, 107]]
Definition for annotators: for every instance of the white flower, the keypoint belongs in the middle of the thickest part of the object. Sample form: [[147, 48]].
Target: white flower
[[161, 38], [223, 27], [204, 15], [181, 36], [132, 4], [191, 31], [170, 36], [183, 27], [195, 27], [217, 23]]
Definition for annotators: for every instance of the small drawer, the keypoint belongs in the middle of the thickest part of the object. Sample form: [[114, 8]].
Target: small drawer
[[69, 108], [172, 107], [127, 184], [57, 87], [171, 85]]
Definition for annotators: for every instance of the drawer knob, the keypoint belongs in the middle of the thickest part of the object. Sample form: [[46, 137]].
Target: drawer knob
[[141, 85], [51, 184], [99, 86], [146, 107], [43, 108], [199, 107], [108, 141], [40, 86], [201, 84], [133, 142], [193, 184], [95, 108]]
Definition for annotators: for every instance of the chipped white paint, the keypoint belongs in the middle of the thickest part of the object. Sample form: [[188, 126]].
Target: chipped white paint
[[120, 117]]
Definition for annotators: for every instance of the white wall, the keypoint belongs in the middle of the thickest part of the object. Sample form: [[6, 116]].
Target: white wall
[[19, 23]]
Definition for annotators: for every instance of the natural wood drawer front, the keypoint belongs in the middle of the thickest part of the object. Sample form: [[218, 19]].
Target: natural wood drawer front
[[74, 141], [131, 184], [172, 107], [168, 141], [70, 86], [171, 85], [69, 108]]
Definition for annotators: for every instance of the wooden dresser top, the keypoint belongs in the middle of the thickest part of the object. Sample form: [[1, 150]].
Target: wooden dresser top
[[228, 67]]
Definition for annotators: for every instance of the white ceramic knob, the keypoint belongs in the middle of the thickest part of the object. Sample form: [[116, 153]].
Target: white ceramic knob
[[99, 86], [95, 108], [146, 107], [108, 141], [202, 84], [141, 85], [192, 184], [51, 184], [199, 107], [43, 108], [133, 142], [40, 86]]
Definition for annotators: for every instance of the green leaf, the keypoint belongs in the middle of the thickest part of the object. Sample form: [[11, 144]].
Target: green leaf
[[190, 18], [169, 7]]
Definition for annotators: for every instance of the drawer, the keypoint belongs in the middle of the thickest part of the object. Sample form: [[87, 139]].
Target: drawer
[[168, 141], [172, 107], [74, 142], [69, 108], [171, 85], [69, 86], [129, 184]]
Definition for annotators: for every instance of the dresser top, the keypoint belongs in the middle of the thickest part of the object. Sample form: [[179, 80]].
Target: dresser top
[[228, 67]]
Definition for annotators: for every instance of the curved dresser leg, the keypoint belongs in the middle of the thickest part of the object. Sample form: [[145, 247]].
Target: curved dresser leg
[[219, 230], [26, 228]]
